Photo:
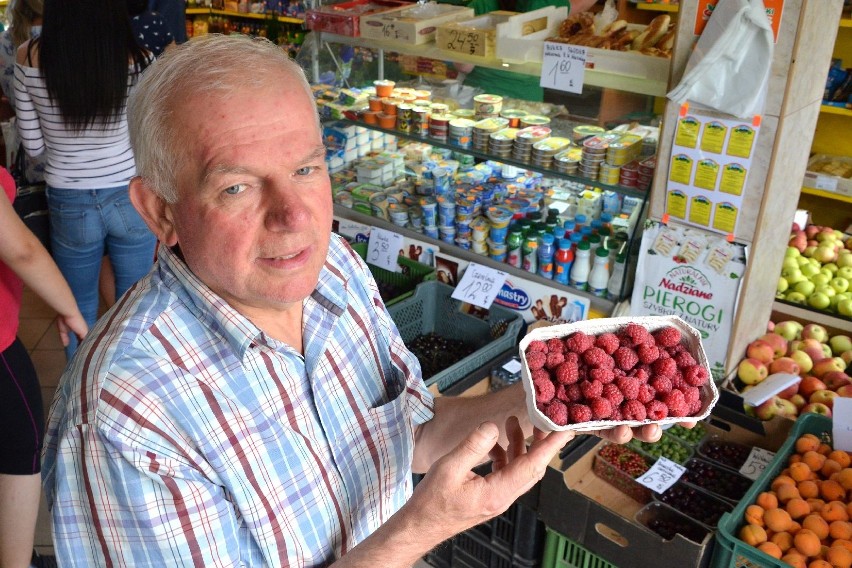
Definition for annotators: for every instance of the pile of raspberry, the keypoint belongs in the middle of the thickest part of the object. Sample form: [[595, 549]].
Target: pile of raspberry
[[632, 374]]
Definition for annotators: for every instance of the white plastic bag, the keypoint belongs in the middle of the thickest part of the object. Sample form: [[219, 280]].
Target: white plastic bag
[[729, 68]]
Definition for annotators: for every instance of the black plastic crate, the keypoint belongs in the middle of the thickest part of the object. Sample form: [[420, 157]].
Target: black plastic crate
[[470, 550]]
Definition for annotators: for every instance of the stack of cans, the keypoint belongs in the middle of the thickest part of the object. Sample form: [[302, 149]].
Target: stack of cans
[[487, 106], [584, 131], [514, 116], [629, 175], [439, 126], [461, 132], [646, 172], [500, 143], [524, 140], [594, 153], [534, 120], [568, 161], [544, 151], [483, 129]]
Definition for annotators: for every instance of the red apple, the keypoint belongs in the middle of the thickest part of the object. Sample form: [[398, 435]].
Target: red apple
[[778, 343], [798, 401], [803, 360], [761, 350], [845, 391], [790, 391], [775, 406], [821, 368], [836, 379], [817, 408], [784, 365], [810, 384], [826, 397], [751, 371]]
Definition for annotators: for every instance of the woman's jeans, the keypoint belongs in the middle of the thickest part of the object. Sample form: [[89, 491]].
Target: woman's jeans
[[84, 225]]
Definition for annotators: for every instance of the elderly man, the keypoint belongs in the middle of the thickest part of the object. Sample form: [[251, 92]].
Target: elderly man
[[250, 402]]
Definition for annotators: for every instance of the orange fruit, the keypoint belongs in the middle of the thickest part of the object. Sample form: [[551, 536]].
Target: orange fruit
[[771, 549], [797, 526], [814, 522], [808, 489], [797, 508], [776, 520], [753, 535], [807, 542], [849, 509], [795, 559], [840, 530], [830, 467], [754, 515], [824, 449], [795, 458], [782, 480], [816, 504], [834, 511], [844, 478], [806, 443], [784, 540], [843, 542], [787, 492], [839, 557], [819, 563], [767, 500], [814, 460], [840, 457], [832, 491], [802, 470]]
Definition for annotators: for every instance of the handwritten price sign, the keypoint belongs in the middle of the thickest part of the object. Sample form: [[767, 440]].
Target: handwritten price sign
[[758, 460], [479, 285], [462, 41], [383, 249], [563, 67], [662, 475]]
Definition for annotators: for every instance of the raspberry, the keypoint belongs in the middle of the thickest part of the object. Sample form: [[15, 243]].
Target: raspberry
[[616, 414], [677, 381], [555, 345], [540, 374], [572, 357], [625, 358], [601, 408], [605, 376], [646, 393], [676, 403], [613, 395], [544, 391], [579, 413], [554, 360], [582, 372], [696, 375], [684, 359], [608, 342], [624, 340], [675, 349], [566, 373], [573, 393], [633, 410], [667, 337], [536, 345], [694, 407], [579, 342], [663, 353], [656, 410], [691, 394], [637, 333], [536, 360], [560, 393], [641, 374], [628, 386], [618, 373], [597, 357], [591, 389], [648, 353], [661, 384], [665, 367], [557, 412]]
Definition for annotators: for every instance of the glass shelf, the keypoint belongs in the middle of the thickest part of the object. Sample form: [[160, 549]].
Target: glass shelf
[[482, 156], [249, 15]]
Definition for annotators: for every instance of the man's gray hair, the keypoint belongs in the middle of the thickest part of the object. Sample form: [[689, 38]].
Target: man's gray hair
[[212, 63]]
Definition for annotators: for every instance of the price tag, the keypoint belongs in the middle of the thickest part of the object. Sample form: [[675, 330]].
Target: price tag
[[465, 41], [758, 460], [662, 475], [827, 183], [383, 249], [479, 285], [563, 67], [769, 387], [513, 366], [841, 432]]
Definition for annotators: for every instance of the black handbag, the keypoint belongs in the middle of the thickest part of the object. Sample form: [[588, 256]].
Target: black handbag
[[31, 201]]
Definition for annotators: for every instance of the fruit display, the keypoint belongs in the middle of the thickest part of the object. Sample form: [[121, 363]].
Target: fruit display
[[821, 360], [667, 522], [803, 517], [630, 374], [692, 436], [436, 352], [620, 466], [694, 503], [667, 446], [716, 479], [817, 270], [729, 454]]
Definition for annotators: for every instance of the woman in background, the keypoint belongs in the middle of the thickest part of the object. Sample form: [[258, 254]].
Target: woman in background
[[71, 106], [150, 29], [23, 260]]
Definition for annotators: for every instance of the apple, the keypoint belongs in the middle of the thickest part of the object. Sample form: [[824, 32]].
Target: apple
[[776, 406], [812, 230], [813, 348], [789, 329], [847, 356], [784, 365], [819, 300], [817, 408], [798, 401], [822, 368], [825, 289], [809, 385], [844, 307], [815, 331], [790, 391], [839, 284], [782, 285], [779, 343], [844, 266], [826, 397], [808, 271], [796, 297], [830, 268], [825, 253], [752, 371], [845, 391], [804, 287], [836, 379], [803, 360], [761, 350], [770, 326], [792, 275], [840, 343]]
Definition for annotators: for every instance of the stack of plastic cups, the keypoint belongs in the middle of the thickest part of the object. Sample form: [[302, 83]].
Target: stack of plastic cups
[[499, 218], [415, 218], [429, 212], [525, 138], [420, 120], [446, 216], [398, 214], [465, 213], [479, 227]]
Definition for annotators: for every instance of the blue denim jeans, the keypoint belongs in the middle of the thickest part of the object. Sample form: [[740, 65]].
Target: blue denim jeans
[[86, 224]]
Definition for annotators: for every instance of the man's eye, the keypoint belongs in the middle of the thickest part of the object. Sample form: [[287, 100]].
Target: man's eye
[[235, 189], [307, 170]]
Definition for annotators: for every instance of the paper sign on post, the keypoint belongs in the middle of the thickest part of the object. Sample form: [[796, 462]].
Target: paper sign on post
[[383, 249], [841, 430], [758, 460], [662, 475], [563, 67], [479, 285]]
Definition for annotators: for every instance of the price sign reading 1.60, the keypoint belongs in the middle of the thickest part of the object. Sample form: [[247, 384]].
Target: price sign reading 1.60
[[563, 67], [383, 249], [479, 285]]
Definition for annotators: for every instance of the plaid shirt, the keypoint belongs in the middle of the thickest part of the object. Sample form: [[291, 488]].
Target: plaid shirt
[[182, 435]]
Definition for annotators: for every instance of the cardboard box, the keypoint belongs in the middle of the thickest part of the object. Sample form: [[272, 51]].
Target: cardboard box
[[823, 173], [629, 63], [413, 25], [476, 37], [521, 38], [344, 18]]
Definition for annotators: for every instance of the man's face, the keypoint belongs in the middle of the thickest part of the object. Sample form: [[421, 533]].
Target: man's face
[[254, 209]]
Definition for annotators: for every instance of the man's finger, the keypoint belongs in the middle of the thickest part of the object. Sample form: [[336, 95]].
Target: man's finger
[[473, 450]]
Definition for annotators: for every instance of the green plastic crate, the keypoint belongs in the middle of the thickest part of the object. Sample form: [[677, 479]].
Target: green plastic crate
[[730, 551], [562, 552], [432, 310], [412, 274]]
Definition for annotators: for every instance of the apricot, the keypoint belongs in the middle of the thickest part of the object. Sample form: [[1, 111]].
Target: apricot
[[795, 458], [817, 524], [782, 480], [840, 530], [844, 542], [839, 557], [829, 468], [776, 520], [849, 509], [767, 500], [840, 457], [753, 535], [795, 559], [806, 542], [796, 527], [797, 508], [787, 492], [824, 449], [844, 478], [831, 491], [754, 515], [771, 549], [834, 511], [814, 460], [819, 563], [808, 489], [802, 470], [807, 443], [784, 540], [816, 505]]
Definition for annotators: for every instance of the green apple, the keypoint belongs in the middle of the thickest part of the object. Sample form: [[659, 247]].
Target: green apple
[[819, 279], [826, 272], [801, 260], [826, 289], [845, 271], [844, 307], [792, 252], [831, 267], [819, 301], [789, 262], [805, 287], [845, 259], [796, 297], [840, 285], [809, 270], [792, 275], [782, 285]]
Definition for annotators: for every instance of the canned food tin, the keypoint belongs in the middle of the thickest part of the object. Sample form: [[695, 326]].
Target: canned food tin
[[514, 116], [486, 105], [534, 120]]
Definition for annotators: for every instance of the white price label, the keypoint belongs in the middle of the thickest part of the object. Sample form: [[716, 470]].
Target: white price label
[[841, 432], [383, 249], [758, 460], [563, 67], [479, 285], [662, 475], [827, 183], [513, 366]]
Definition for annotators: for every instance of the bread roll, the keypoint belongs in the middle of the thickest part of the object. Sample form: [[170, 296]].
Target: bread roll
[[658, 27]]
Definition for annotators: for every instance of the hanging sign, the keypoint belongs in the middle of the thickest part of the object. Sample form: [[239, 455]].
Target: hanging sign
[[563, 67]]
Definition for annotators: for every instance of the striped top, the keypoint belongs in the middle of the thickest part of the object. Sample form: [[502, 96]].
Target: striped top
[[182, 435], [98, 157]]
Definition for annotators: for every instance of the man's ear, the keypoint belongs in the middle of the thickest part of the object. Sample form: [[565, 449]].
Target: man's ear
[[155, 211]]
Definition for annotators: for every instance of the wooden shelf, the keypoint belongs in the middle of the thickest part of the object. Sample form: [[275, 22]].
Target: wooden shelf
[[846, 22], [657, 6], [829, 109], [248, 15], [827, 194], [807, 315]]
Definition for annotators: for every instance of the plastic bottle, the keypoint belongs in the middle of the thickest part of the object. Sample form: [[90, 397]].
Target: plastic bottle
[[545, 256], [514, 242], [530, 252], [580, 222], [575, 238], [599, 276], [581, 267], [613, 289], [594, 243], [569, 227], [563, 259]]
